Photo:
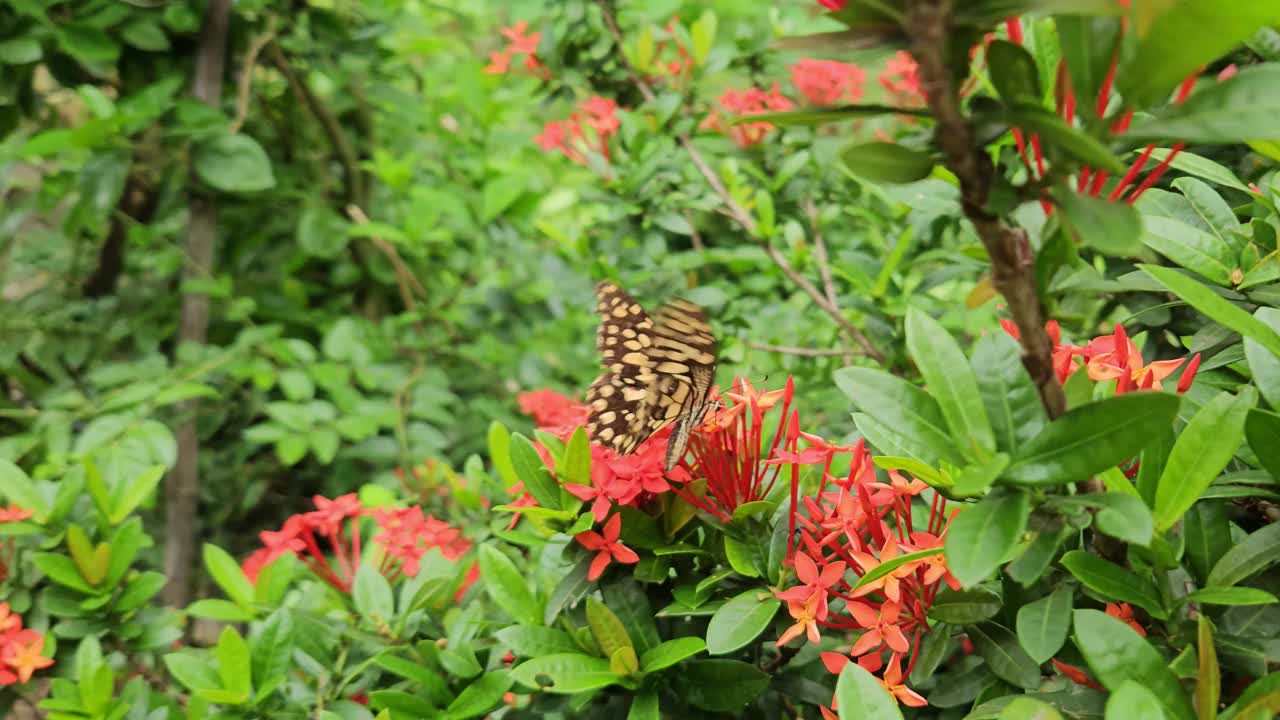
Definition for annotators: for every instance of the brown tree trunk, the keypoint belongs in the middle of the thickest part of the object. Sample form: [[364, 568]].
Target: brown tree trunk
[[182, 487]]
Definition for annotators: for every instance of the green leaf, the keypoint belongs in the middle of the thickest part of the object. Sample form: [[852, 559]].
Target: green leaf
[[1112, 581], [226, 572], [887, 162], [671, 652], [1265, 365], [1091, 438], [1258, 551], [1116, 654], [535, 640], [826, 115], [507, 586], [63, 571], [20, 51], [1035, 559], [1259, 701], [1203, 449], [500, 193], [531, 471], [741, 620], [1088, 46], [564, 673], [430, 682], [233, 163], [322, 233], [1013, 71], [905, 408], [145, 35], [703, 34], [1114, 228], [950, 382], [1011, 399], [1207, 537], [500, 454], [1236, 110], [609, 632], [965, 607], [219, 609], [720, 685], [1132, 700], [272, 651], [1208, 302], [889, 566], [644, 706], [1043, 624], [1232, 596], [17, 488], [371, 594], [1199, 166], [1120, 515], [135, 492], [1187, 245], [480, 696], [575, 464], [983, 535], [195, 672], [1056, 133], [1006, 658], [234, 666], [860, 696], [1208, 680]]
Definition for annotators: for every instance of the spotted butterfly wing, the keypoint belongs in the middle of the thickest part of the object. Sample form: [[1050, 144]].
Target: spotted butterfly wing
[[658, 370]]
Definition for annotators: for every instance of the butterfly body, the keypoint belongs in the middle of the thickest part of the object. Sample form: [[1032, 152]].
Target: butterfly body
[[658, 370]]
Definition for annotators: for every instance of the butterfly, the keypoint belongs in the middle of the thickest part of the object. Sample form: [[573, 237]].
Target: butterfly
[[658, 370]]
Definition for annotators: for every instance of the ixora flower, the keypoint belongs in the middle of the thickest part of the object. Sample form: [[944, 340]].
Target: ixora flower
[[571, 137], [607, 547], [828, 82], [20, 649], [857, 527], [901, 77], [519, 42], [752, 101], [1113, 357], [405, 536], [8, 549]]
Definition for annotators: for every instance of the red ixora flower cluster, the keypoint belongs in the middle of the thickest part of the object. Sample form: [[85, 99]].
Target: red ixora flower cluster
[[848, 529], [405, 536], [1091, 181], [20, 648], [752, 101], [583, 133], [901, 77], [519, 42], [828, 82], [8, 551], [1113, 357]]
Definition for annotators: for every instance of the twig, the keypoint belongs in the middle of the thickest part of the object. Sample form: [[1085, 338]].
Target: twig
[[1012, 260], [246, 73], [406, 281], [820, 251], [735, 210], [332, 128], [694, 236], [805, 352]]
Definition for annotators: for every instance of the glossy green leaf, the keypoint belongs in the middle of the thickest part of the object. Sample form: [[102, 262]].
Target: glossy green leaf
[[1201, 451], [950, 382], [17, 488], [1088, 46], [1258, 551], [887, 162], [1133, 700], [1231, 596], [1091, 438], [1236, 110], [720, 685], [564, 673], [531, 471], [1043, 624], [741, 620], [504, 582], [226, 572], [1216, 308], [904, 408], [965, 607], [983, 535], [1006, 658], [860, 696], [1208, 680], [371, 594], [1110, 580], [1120, 515], [1114, 228], [233, 163], [234, 665], [644, 706], [671, 652], [1011, 399], [1116, 654], [609, 632], [1207, 536], [1265, 365], [1013, 72], [481, 696]]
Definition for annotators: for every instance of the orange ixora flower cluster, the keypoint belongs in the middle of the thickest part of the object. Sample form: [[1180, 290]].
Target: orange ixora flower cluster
[[405, 536], [20, 649], [828, 82], [1113, 357], [8, 551], [850, 528], [582, 133], [752, 101], [519, 42]]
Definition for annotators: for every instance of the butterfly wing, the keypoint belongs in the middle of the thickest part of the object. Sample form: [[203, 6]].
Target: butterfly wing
[[684, 360], [620, 398]]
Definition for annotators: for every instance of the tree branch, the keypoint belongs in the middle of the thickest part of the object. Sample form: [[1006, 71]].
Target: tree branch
[[182, 486], [735, 210], [329, 122], [1012, 260], [246, 73]]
